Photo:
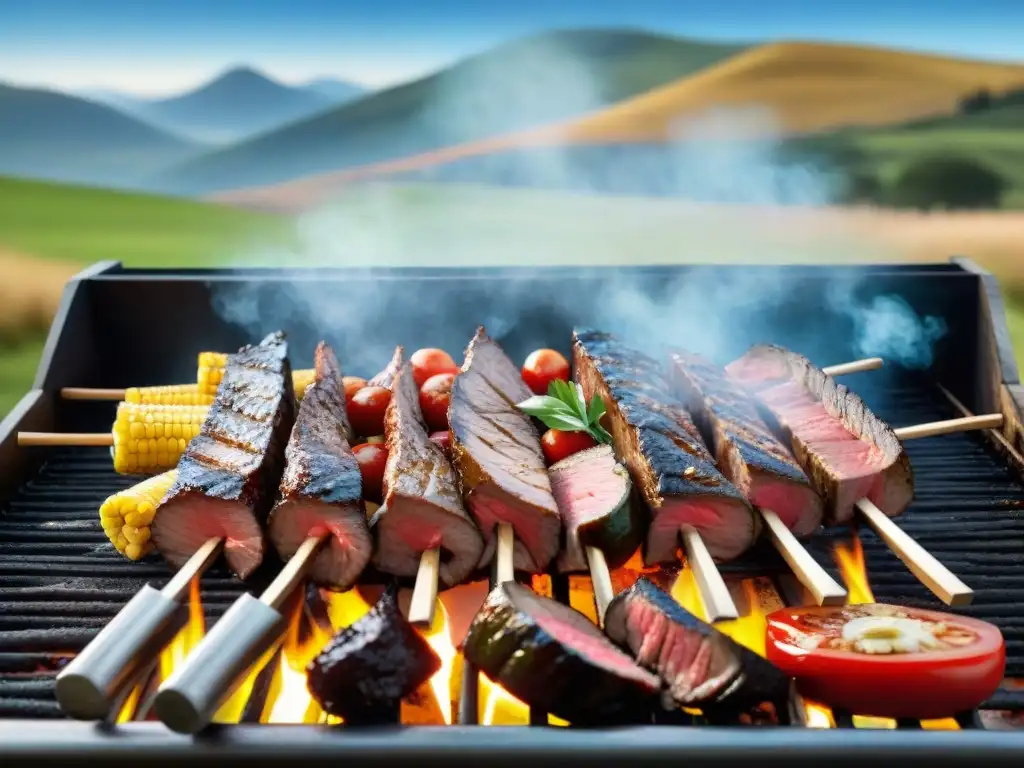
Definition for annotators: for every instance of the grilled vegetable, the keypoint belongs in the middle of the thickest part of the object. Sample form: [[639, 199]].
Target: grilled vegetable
[[372, 458], [435, 396], [366, 410], [887, 660], [701, 666], [369, 667], [430, 362], [553, 657], [172, 394], [211, 372], [127, 515], [593, 492], [542, 367], [559, 445], [151, 438]]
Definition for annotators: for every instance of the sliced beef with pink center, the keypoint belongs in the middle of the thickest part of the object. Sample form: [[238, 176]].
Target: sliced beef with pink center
[[553, 657], [700, 666], [422, 507], [747, 452], [656, 439], [496, 450], [229, 473], [594, 496], [321, 490], [848, 452]]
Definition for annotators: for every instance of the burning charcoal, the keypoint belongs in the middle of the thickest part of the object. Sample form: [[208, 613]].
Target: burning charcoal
[[660, 445], [848, 452], [369, 667], [701, 666], [593, 492], [554, 658]]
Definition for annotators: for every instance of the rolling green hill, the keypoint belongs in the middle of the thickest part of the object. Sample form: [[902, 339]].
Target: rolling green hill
[[52, 135], [521, 84]]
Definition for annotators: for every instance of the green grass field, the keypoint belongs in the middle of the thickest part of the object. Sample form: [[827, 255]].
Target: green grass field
[[385, 226]]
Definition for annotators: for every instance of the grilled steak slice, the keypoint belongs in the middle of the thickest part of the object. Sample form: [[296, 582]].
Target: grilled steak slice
[[422, 505], [848, 452], [553, 657], [700, 666], [228, 476], [594, 496], [658, 442], [321, 490], [747, 452], [369, 667], [386, 378], [497, 452]]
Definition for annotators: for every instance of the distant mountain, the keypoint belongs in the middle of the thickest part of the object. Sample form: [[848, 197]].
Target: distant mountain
[[338, 91], [237, 104], [524, 83], [50, 135]]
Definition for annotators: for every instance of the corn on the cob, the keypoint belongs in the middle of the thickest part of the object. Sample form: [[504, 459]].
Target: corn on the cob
[[171, 394], [211, 371], [127, 515], [151, 438]]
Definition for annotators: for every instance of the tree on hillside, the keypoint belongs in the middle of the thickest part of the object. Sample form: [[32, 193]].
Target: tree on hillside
[[948, 182], [979, 101]]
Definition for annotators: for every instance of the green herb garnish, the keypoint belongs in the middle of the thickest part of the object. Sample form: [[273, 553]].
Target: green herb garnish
[[565, 408]]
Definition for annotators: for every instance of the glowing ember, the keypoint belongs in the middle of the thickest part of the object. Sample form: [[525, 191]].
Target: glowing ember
[[818, 716]]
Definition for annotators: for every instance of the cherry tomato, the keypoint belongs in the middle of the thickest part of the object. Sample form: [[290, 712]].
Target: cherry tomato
[[434, 398], [352, 385], [558, 444], [542, 367], [825, 650], [366, 410], [442, 438], [430, 362], [372, 458]]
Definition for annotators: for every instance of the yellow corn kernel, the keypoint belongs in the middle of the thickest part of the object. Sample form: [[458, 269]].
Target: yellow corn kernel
[[145, 441], [211, 372], [171, 394], [127, 516]]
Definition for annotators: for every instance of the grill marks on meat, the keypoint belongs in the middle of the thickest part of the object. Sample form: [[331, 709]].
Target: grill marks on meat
[[553, 657], [369, 667], [497, 452], [228, 476], [747, 452], [321, 490], [594, 495], [422, 506], [658, 442], [848, 452], [699, 665]]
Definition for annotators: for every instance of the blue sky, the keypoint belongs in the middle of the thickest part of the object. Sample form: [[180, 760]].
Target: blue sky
[[163, 46]]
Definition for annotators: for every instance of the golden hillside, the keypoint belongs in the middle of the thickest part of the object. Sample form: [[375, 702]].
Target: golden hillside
[[779, 88]]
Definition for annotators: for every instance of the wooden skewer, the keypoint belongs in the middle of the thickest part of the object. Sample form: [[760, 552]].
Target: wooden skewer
[[56, 439], [601, 578], [424, 593], [505, 553], [197, 565], [824, 589], [856, 366], [949, 426], [718, 603], [293, 572], [83, 393]]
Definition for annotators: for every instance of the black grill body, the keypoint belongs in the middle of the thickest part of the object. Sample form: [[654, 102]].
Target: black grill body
[[61, 581]]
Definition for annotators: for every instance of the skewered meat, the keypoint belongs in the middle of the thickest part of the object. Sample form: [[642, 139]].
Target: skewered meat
[[848, 452], [701, 666], [369, 667], [747, 452], [497, 451], [656, 439], [386, 378], [553, 657], [594, 496], [422, 506], [321, 489], [228, 476]]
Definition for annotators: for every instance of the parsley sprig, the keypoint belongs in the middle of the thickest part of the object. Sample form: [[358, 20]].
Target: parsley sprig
[[565, 408]]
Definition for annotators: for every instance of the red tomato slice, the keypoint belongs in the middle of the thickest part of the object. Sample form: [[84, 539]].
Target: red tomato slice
[[834, 668]]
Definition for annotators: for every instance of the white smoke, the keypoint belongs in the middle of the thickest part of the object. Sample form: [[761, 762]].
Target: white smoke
[[731, 156]]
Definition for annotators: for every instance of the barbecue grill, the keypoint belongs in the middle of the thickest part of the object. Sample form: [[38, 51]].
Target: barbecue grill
[[61, 581]]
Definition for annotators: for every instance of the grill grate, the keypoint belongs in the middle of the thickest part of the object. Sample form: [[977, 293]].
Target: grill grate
[[61, 581]]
